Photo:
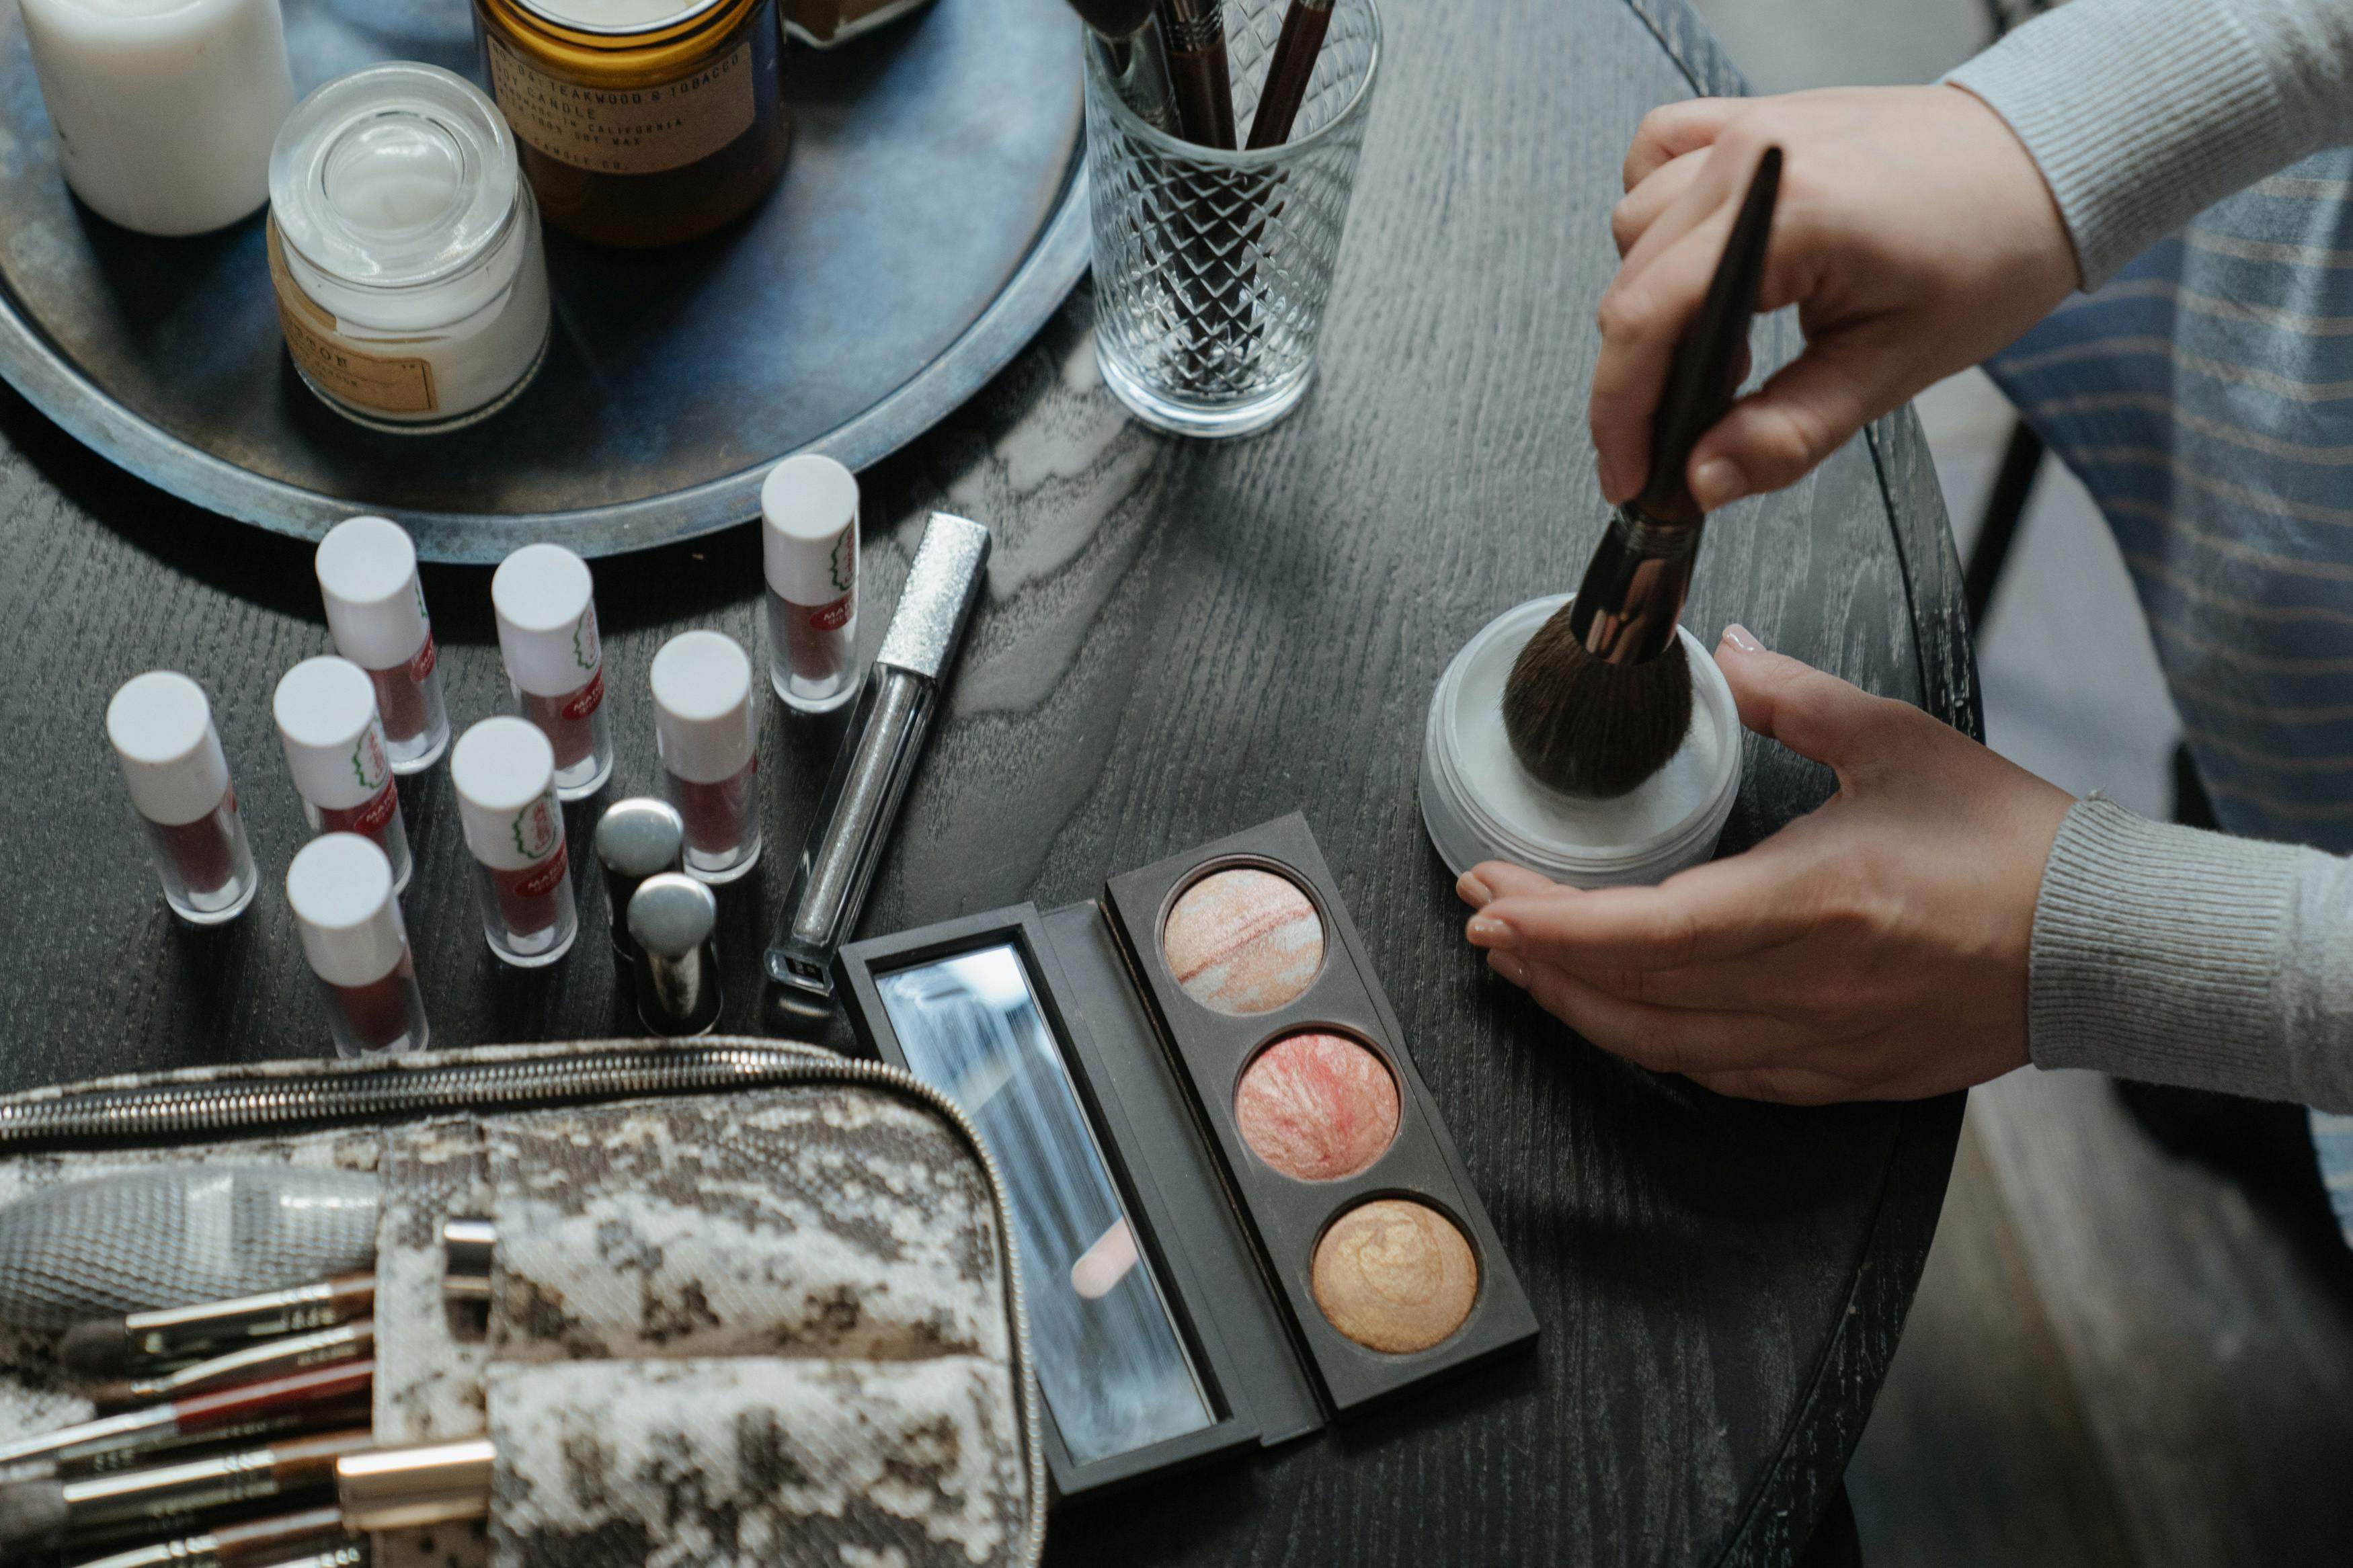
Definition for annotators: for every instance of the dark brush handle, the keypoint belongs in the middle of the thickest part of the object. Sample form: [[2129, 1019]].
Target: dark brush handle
[[1703, 373]]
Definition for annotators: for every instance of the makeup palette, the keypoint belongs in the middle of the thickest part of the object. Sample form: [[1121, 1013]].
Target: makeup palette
[[1238, 1211]]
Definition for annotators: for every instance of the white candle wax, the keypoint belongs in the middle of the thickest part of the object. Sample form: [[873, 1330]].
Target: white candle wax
[[164, 110]]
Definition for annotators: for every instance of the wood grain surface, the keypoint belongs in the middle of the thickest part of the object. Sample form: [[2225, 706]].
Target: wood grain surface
[[1178, 640]]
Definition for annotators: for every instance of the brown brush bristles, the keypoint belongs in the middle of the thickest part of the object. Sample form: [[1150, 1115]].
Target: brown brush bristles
[[1587, 727]]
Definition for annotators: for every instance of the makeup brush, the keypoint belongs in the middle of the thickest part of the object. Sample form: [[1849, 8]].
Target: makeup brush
[[1196, 35], [1600, 697], [250, 1542], [1288, 73], [1128, 34], [106, 1347], [295, 1398], [40, 1515], [264, 1359]]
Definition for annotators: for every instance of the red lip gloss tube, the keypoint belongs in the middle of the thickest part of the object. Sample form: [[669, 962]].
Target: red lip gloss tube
[[505, 773], [162, 730], [334, 747], [375, 608], [547, 635], [341, 888], [709, 737], [809, 507]]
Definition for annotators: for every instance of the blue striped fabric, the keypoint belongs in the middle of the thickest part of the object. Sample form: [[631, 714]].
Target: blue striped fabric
[[2205, 397]]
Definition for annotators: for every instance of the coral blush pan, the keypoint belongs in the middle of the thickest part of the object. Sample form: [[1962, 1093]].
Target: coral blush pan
[[1317, 1106]]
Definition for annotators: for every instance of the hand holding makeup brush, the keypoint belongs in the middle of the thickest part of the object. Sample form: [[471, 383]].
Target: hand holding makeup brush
[[1914, 236], [1874, 949]]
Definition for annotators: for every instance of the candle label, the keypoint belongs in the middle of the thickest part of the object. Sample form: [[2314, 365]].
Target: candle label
[[626, 130], [378, 381]]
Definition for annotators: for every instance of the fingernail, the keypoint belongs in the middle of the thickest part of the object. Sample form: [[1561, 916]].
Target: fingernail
[[1510, 968], [1491, 933], [1475, 890], [1718, 483], [1743, 639]]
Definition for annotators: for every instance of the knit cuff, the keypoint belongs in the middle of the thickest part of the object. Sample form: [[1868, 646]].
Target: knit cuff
[[2140, 114], [2157, 951]]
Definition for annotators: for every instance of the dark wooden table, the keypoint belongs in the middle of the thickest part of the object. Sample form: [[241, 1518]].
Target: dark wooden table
[[1179, 641]]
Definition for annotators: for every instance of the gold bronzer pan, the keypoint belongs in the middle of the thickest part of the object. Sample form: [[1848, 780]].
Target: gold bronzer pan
[[1601, 696]]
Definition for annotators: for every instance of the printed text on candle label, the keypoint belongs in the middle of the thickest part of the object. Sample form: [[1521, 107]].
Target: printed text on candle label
[[626, 130]]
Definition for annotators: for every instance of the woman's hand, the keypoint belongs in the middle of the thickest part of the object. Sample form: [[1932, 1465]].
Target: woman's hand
[[1873, 949], [1914, 234]]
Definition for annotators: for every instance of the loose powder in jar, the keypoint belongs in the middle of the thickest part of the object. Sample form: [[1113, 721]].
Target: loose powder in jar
[[1395, 1276], [1244, 941], [1317, 1107]]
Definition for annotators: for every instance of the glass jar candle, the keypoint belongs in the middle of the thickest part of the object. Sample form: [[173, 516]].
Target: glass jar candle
[[163, 109], [405, 247], [161, 727], [505, 773], [340, 887], [641, 122], [325, 709], [376, 610], [809, 509], [547, 611], [708, 732]]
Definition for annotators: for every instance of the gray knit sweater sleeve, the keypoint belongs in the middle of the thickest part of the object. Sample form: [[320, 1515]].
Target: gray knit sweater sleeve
[[2143, 112], [2178, 956]]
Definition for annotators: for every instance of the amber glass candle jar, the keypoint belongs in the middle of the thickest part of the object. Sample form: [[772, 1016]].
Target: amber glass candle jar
[[640, 122]]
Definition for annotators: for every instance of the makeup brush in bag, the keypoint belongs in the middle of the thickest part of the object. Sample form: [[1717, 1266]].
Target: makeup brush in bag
[[1601, 696]]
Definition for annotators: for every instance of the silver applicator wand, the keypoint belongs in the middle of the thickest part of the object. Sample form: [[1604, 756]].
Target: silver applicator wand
[[886, 735], [1601, 696]]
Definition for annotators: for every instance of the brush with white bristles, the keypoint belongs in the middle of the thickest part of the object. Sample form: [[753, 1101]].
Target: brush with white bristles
[[1600, 697]]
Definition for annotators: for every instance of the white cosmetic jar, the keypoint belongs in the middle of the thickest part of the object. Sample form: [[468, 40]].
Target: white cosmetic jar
[[1478, 804]]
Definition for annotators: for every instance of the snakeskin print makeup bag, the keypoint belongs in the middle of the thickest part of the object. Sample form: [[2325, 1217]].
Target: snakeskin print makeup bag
[[750, 1303]]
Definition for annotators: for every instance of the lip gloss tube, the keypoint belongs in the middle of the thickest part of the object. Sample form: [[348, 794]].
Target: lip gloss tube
[[375, 608], [161, 727], [708, 734], [505, 773], [341, 888], [547, 636], [327, 721], [809, 507]]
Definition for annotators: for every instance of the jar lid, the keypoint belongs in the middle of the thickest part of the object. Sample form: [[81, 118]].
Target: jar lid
[[375, 605], [162, 730], [544, 601], [325, 709], [703, 720], [619, 18], [340, 886], [393, 176], [505, 772]]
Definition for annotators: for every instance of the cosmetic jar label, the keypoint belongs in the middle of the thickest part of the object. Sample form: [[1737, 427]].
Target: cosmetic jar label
[[633, 131], [585, 700], [389, 384]]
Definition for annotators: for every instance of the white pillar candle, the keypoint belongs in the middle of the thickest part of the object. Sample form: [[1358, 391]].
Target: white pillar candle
[[164, 110]]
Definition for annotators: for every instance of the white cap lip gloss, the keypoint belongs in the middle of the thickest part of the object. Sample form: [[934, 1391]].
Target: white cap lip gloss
[[375, 610], [340, 887], [809, 508], [504, 771], [334, 740], [546, 603], [707, 731], [161, 727]]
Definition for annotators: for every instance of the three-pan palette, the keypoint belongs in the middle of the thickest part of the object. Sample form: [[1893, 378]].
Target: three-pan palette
[[1238, 1208]]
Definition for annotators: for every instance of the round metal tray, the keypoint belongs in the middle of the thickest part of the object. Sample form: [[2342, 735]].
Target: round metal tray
[[931, 217]]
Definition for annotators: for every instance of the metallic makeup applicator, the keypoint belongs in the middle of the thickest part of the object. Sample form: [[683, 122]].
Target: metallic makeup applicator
[[1601, 696]]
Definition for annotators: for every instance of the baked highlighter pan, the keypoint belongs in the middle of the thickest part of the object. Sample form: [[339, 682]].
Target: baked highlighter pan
[[1238, 1211]]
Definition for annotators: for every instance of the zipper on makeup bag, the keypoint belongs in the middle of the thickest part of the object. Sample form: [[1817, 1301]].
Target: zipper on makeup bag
[[128, 1113]]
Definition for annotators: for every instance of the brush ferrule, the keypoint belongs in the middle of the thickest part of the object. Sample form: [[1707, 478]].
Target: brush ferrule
[[1632, 595]]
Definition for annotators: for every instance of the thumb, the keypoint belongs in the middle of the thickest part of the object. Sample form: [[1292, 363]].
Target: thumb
[[1803, 412], [1816, 715]]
